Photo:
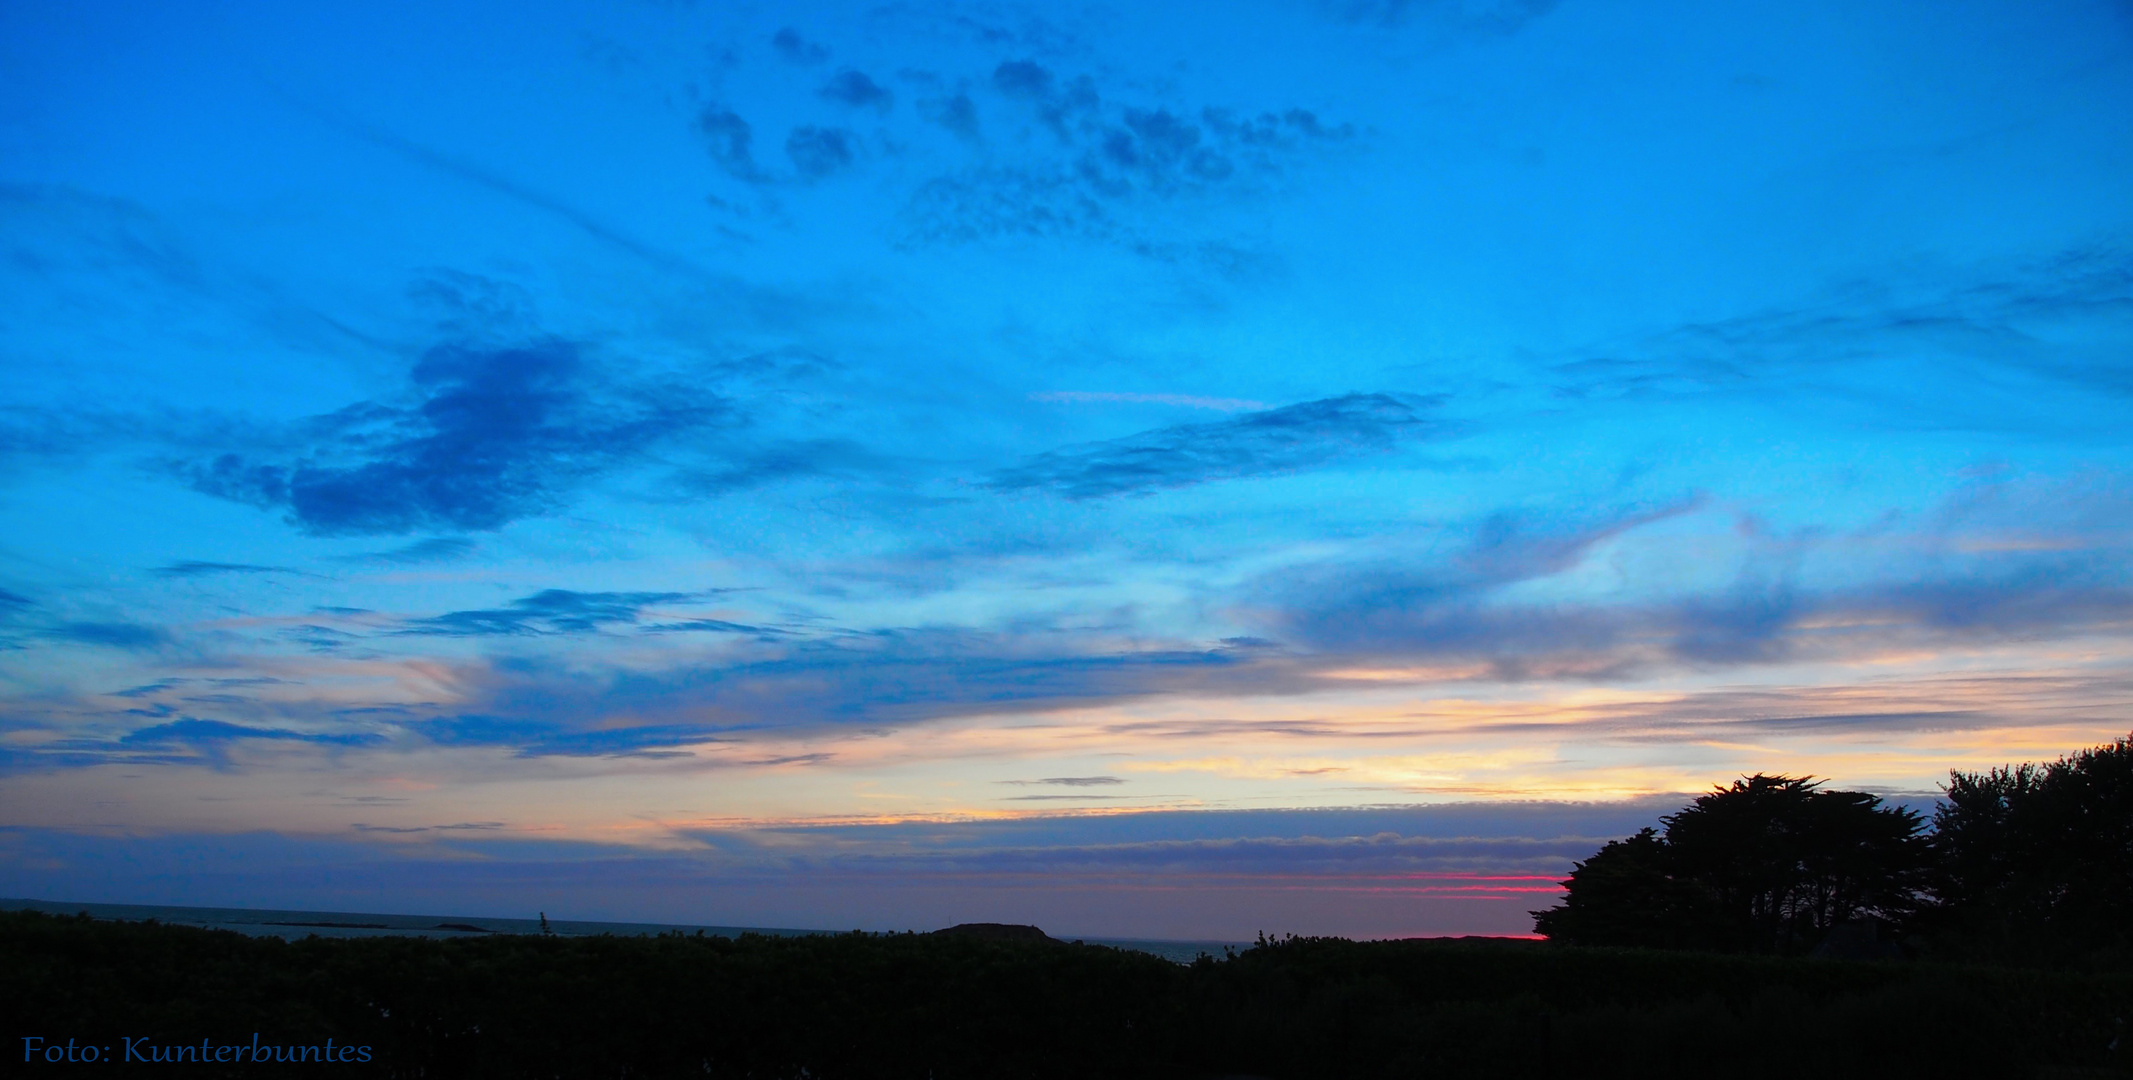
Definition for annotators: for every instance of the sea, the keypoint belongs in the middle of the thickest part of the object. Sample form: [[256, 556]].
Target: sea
[[289, 924]]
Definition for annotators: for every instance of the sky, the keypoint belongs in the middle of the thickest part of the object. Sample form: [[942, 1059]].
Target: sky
[[1152, 470]]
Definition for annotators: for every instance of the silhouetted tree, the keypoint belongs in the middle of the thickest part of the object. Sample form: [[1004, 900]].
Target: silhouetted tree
[[1627, 894], [1767, 864], [2039, 858]]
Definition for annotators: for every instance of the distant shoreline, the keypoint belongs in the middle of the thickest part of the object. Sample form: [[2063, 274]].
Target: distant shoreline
[[290, 923]]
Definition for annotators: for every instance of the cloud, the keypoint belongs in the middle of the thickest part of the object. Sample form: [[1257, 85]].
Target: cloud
[[1508, 546], [772, 461], [1289, 439], [1267, 869], [1189, 401], [818, 152], [149, 689], [318, 639], [531, 738], [1159, 150], [190, 731], [993, 200], [800, 681], [1441, 607], [115, 635], [498, 434], [1462, 610], [10, 602], [1907, 350], [47, 435], [191, 568], [956, 112], [855, 89], [214, 731], [709, 626], [491, 180], [1472, 849], [1070, 781], [756, 680], [550, 611], [1105, 159], [794, 49], [1023, 79], [470, 305], [435, 549], [463, 826], [1056, 798], [815, 152], [729, 140], [1877, 706]]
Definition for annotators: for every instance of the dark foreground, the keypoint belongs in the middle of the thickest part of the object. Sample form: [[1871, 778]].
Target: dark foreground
[[923, 1006]]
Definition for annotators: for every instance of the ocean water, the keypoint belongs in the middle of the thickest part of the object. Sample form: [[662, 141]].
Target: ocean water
[[296, 924]]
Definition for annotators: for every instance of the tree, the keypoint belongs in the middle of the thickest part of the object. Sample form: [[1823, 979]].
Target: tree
[[1627, 894], [2038, 859], [1767, 864]]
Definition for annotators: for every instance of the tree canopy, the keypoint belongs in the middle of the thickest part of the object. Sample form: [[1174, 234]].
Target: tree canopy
[[1767, 864], [2039, 858]]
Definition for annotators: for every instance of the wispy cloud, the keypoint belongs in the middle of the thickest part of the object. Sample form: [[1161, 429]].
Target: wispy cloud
[[1188, 401], [550, 611], [192, 568], [435, 549], [1460, 611], [1869, 345], [482, 176], [462, 826], [829, 682], [1289, 439], [765, 462], [191, 731], [1058, 798], [115, 635], [710, 626]]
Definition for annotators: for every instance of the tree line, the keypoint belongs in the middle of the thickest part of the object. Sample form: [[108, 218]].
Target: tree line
[[2031, 863]]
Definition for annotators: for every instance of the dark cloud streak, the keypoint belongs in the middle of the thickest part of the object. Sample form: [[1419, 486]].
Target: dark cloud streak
[[550, 611], [192, 568], [436, 549], [502, 185], [1289, 439]]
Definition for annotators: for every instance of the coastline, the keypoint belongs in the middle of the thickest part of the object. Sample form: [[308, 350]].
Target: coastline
[[294, 923]]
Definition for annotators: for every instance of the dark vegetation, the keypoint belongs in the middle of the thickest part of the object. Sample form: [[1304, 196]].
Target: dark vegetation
[[1771, 864], [2030, 865], [918, 1006], [2015, 966]]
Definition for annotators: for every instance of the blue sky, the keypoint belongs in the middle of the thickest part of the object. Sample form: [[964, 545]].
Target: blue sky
[[1167, 470]]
